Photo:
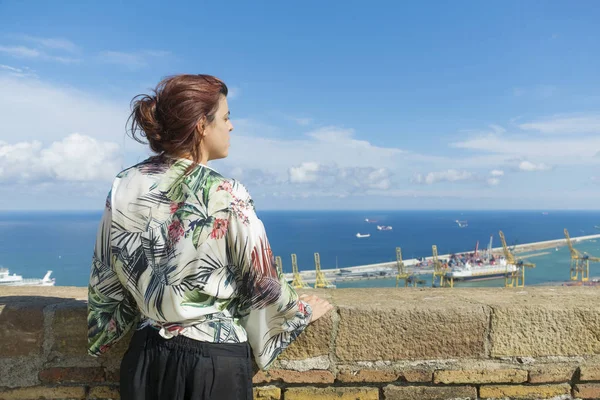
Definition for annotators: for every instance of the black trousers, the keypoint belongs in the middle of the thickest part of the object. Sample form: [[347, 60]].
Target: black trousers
[[154, 368]]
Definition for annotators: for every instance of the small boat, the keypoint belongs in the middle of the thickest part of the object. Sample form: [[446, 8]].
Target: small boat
[[370, 221], [384, 228], [462, 224], [359, 235]]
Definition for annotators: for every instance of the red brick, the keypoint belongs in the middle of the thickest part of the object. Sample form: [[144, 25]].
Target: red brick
[[551, 374], [367, 375], [530, 392], [290, 376], [104, 392], [331, 393], [416, 375], [429, 392], [43, 392], [587, 391], [507, 375], [72, 375]]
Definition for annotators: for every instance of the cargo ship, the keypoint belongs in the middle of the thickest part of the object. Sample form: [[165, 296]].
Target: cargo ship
[[468, 271], [478, 266]]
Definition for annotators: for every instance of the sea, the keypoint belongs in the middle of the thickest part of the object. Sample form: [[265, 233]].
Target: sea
[[33, 242]]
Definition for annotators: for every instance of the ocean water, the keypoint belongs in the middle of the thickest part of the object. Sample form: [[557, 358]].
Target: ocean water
[[34, 242]]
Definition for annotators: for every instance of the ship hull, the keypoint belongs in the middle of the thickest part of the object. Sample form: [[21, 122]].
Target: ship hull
[[481, 273]]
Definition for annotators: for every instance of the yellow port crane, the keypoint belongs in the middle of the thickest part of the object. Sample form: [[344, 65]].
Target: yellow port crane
[[320, 279], [297, 282], [402, 274], [439, 271], [512, 277], [580, 262]]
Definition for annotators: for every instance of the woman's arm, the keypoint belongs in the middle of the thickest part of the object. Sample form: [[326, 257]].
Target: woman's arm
[[111, 310], [269, 307]]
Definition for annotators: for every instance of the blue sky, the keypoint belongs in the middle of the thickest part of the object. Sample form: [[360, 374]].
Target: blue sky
[[336, 105]]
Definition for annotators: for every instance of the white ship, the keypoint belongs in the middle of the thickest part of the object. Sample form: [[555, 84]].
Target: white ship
[[384, 228], [17, 280], [484, 271], [478, 267], [360, 235]]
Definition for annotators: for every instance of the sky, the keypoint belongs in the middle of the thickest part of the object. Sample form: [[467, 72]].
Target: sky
[[335, 105]]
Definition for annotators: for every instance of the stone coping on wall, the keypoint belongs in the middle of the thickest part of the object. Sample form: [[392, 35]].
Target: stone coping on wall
[[387, 343]]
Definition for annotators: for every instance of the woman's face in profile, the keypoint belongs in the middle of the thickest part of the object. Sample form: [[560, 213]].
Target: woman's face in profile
[[216, 134]]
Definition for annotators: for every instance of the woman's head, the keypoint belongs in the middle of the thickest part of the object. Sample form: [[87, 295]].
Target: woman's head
[[187, 116]]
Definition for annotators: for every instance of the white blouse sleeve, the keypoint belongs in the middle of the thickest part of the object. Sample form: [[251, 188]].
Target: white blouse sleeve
[[269, 308]]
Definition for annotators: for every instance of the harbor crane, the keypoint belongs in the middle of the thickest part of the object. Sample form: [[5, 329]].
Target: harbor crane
[[516, 277], [580, 262], [297, 282], [402, 273], [320, 279], [439, 271]]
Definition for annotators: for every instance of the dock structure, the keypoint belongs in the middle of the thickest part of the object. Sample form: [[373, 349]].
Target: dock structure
[[439, 271], [580, 262], [402, 272], [297, 282], [320, 279], [516, 277], [373, 271]]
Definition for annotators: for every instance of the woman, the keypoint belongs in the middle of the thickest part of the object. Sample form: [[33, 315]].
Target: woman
[[183, 259]]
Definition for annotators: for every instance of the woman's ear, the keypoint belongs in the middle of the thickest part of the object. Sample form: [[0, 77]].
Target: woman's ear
[[200, 127]]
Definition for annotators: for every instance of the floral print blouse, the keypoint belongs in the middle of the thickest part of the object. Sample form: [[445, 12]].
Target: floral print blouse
[[181, 249]]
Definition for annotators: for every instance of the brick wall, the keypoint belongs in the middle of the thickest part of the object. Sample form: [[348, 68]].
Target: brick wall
[[532, 343]]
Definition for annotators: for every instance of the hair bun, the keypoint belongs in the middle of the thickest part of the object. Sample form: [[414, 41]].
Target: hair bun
[[144, 114]]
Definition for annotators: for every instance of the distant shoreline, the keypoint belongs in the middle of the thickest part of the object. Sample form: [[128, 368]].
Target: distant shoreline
[[331, 273]]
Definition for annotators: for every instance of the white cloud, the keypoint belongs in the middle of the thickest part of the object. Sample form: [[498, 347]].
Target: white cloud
[[35, 110], [497, 172], [131, 60], [254, 176], [332, 178], [30, 53], [567, 124], [75, 158], [572, 150], [493, 181], [497, 129], [529, 166], [20, 51], [450, 175], [52, 43], [11, 69], [324, 146], [17, 72], [306, 172]]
